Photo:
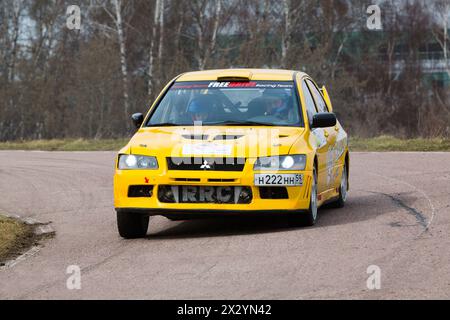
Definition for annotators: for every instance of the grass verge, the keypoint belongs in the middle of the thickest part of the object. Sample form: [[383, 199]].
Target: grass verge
[[14, 237], [381, 143], [388, 143]]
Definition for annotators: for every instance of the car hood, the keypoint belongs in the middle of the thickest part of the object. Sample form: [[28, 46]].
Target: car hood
[[213, 141]]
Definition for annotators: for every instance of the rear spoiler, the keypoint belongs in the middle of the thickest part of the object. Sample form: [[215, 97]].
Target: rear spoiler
[[235, 75], [327, 98]]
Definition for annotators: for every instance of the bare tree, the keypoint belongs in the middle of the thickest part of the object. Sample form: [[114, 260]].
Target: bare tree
[[56, 82], [205, 13], [156, 18], [17, 7], [442, 9], [123, 57], [286, 34]]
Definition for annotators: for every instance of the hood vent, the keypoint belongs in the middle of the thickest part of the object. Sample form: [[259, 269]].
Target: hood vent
[[195, 136], [227, 137]]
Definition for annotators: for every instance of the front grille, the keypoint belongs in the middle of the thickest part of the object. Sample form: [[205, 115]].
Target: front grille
[[139, 191], [221, 180], [205, 164], [273, 193], [205, 194]]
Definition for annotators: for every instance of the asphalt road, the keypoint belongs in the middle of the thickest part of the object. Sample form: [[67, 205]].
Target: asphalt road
[[397, 217]]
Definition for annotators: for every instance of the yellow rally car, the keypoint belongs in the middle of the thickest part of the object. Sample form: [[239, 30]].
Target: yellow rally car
[[237, 141]]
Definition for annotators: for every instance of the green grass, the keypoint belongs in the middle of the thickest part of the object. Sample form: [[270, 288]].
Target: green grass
[[388, 143], [14, 235], [382, 143]]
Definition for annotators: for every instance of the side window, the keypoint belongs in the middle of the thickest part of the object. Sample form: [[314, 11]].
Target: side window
[[310, 105], [321, 104]]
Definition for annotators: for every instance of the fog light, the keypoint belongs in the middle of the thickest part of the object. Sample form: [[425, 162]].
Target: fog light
[[138, 191], [246, 195]]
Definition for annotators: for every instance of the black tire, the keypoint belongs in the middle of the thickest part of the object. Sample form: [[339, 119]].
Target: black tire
[[343, 188], [312, 214], [132, 225], [310, 217]]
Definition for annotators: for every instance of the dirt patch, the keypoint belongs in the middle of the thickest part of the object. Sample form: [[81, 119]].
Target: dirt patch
[[15, 238]]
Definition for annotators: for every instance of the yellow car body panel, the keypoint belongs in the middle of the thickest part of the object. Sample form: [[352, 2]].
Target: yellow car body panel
[[325, 148]]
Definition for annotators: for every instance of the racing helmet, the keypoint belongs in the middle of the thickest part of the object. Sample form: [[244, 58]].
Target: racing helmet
[[199, 105], [273, 95]]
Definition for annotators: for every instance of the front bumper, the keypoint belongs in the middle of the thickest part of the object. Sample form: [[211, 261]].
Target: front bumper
[[177, 214], [298, 196]]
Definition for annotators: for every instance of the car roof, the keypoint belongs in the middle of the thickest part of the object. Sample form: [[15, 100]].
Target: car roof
[[239, 74]]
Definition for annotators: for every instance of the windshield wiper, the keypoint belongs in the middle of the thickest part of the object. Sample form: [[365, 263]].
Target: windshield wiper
[[240, 123]]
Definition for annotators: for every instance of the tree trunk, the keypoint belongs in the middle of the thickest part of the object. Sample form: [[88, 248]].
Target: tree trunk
[[446, 13], [199, 53], [161, 30], [152, 45], [123, 60], [212, 43], [17, 8], [285, 36]]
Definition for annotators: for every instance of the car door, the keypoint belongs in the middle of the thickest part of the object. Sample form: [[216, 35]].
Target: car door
[[319, 136], [327, 170]]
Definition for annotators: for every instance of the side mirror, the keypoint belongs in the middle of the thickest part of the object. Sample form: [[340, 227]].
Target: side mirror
[[137, 118], [323, 120], [326, 97]]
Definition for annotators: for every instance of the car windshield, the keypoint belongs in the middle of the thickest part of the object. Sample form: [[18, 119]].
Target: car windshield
[[265, 103]]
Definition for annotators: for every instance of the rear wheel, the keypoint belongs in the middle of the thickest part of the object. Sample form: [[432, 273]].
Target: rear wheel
[[340, 202], [132, 225]]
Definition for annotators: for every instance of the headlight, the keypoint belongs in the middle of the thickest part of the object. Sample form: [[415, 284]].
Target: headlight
[[131, 161], [287, 162]]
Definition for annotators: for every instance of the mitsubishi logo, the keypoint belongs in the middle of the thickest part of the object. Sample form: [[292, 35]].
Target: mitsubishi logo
[[205, 165]]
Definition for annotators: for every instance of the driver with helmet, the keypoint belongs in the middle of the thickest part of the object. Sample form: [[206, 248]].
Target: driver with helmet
[[199, 108], [277, 103]]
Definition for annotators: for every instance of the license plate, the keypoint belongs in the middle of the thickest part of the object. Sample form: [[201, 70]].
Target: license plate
[[284, 179], [206, 149]]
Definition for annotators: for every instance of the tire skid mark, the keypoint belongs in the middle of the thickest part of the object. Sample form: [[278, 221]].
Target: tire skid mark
[[420, 218], [430, 203], [34, 195], [48, 175]]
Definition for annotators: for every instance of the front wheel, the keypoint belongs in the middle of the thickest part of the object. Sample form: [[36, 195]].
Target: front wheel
[[132, 225], [311, 215]]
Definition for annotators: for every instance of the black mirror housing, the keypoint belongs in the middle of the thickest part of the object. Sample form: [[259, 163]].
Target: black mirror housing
[[324, 120], [137, 118]]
